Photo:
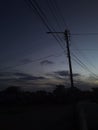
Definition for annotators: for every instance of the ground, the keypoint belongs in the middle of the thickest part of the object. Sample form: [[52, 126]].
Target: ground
[[47, 117], [36, 117]]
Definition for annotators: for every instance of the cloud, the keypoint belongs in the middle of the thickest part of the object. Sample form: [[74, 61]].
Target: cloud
[[27, 78], [50, 80], [25, 61], [76, 75], [18, 76], [24, 76], [21, 79], [66, 73], [63, 74], [5, 74], [46, 62]]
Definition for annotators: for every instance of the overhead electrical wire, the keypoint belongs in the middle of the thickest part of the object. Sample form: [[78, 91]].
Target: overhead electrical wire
[[60, 12], [84, 34], [85, 49], [82, 63], [84, 66], [84, 57], [32, 61], [54, 14], [44, 19], [38, 10], [54, 11]]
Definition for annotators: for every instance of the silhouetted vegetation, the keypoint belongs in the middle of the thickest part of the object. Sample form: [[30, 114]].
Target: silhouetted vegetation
[[60, 95], [51, 110]]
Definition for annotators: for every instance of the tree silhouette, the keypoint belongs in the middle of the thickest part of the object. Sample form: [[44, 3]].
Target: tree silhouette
[[60, 90], [12, 90]]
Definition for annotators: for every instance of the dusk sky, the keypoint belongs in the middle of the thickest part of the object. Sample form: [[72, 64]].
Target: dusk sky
[[33, 59]]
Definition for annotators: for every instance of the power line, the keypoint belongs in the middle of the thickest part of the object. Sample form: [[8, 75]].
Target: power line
[[85, 49], [79, 52], [84, 34], [83, 65], [60, 13], [32, 61], [55, 16], [44, 19], [55, 5], [53, 12], [67, 35]]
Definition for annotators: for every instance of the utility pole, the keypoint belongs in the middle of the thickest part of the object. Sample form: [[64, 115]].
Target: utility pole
[[66, 35]]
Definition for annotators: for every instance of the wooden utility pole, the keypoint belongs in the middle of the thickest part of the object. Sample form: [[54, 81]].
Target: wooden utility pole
[[66, 35]]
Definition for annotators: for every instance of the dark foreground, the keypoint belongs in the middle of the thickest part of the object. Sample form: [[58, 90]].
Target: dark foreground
[[47, 117], [37, 118]]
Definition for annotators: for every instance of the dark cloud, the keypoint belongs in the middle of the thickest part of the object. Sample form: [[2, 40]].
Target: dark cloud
[[63, 74], [24, 76], [25, 61], [26, 81], [27, 78], [5, 74], [19, 76], [20, 79], [76, 75], [66, 74], [46, 62]]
